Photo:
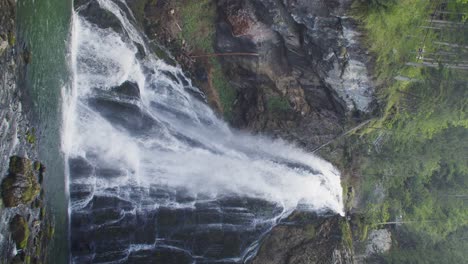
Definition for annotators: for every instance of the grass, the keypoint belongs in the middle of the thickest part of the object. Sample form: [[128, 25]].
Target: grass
[[227, 94], [198, 31], [198, 27]]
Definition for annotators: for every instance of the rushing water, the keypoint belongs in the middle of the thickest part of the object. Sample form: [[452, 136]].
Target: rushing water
[[155, 176], [43, 27]]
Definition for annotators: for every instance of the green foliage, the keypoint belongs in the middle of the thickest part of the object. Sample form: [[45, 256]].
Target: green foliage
[[418, 172], [198, 30]]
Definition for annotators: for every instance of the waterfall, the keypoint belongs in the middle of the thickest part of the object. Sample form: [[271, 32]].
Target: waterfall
[[154, 175]]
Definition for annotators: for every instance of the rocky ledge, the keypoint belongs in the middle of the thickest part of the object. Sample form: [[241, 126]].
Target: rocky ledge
[[293, 69], [307, 238], [307, 55], [29, 227]]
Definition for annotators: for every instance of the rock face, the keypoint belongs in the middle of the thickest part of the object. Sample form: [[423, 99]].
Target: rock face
[[129, 89], [307, 54], [29, 226], [379, 241], [316, 240], [21, 186], [303, 73]]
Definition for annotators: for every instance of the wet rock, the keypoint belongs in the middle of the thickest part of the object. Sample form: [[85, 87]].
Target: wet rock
[[80, 167], [125, 114], [19, 231], [290, 67], [160, 255], [20, 186], [3, 46], [128, 88], [92, 11], [306, 238]]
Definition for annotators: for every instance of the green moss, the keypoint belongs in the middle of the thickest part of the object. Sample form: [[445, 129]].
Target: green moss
[[42, 213], [346, 235], [20, 231], [140, 9], [198, 27], [227, 94], [278, 104], [50, 231], [361, 229], [37, 165], [21, 186], [31, 192], [11, 39], [310, 231], [30, 136], [19, 165]]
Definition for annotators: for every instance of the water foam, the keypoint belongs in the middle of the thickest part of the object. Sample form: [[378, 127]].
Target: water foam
[[180, 143]]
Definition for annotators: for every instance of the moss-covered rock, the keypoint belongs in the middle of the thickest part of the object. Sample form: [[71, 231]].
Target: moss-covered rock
[[20, 165], [19, 231], [20, 186]]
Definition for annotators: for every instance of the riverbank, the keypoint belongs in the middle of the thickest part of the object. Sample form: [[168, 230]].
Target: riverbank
[[26, 227]]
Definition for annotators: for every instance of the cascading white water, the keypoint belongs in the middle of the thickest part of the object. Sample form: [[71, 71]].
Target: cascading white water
[[166, 138]]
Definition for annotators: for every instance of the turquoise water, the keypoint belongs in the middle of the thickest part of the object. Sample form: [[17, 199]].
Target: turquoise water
[[43, 25]]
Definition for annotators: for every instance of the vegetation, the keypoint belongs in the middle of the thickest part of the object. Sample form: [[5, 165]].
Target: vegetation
[[346, 234], [278, 104], [30, 136], [20, 231], [227, 94], [11, 39], [198, 27], [414, 166], [21, 186], [198, 31]]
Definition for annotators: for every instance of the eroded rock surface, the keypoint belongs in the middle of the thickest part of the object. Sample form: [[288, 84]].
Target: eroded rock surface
[[379, 241], [306, 239], [308, 54]]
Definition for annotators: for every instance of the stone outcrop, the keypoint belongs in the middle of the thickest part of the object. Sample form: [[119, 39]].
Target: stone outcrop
[[21, 186], [305, 239], [378, 242], [302, 76], [19, 231], [307, 54]]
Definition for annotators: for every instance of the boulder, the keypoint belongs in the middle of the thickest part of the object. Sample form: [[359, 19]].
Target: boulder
[[380, 241], [20, 186], [128, 88], [19, 231]]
